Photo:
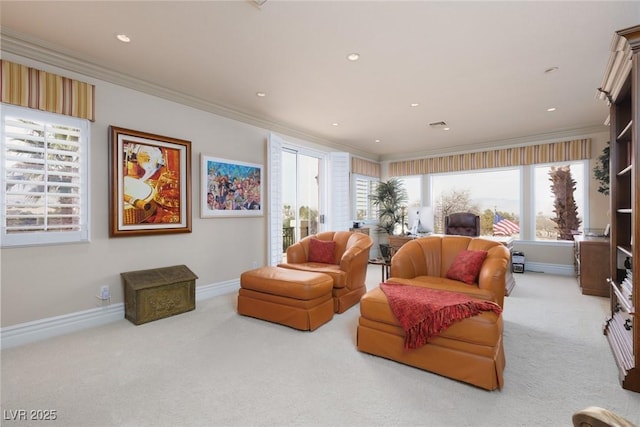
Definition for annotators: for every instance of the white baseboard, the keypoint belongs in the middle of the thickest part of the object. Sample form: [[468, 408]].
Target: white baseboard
[[24, 333], [37, 330], [217, 289], [559, 269]]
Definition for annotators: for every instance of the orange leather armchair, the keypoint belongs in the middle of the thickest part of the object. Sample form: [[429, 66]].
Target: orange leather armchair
[[349, 270], [425, 262], [462, 224], [470, 350]]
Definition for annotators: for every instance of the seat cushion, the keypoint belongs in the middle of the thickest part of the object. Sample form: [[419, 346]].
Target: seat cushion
[[445, 284], [339, 276], [301, 285], [484, 329]]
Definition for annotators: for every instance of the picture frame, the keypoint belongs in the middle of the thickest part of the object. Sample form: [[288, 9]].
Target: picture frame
[[230, 188], [149, 184]]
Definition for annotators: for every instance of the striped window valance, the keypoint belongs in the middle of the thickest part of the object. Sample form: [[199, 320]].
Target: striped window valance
[[365, 167], [32, 88], [579, 149]]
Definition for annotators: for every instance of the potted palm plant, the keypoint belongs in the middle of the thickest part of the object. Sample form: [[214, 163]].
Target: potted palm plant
[[390, 199]]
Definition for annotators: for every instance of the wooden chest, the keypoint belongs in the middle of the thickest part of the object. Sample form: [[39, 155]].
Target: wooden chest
[[592, 264], [158, 293]]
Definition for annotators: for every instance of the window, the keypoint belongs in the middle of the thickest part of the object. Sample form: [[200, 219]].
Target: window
[[485, 192], [364, 209], [44, 179], [496, 195], [559, 213], [413, 185]]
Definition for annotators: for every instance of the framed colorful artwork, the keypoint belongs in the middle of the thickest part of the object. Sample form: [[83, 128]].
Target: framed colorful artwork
[[150, 184], [230, 188]]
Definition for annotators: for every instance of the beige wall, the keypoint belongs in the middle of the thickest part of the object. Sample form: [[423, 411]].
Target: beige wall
[[598, 203], [41, 282]]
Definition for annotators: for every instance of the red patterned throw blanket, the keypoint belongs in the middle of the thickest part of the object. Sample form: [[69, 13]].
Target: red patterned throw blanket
[[425, 312]]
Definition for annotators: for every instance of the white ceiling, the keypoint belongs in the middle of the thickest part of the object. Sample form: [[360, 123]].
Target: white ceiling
[[479, 66]]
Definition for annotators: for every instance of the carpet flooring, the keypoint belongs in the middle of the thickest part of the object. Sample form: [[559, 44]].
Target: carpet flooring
[[212, 367]]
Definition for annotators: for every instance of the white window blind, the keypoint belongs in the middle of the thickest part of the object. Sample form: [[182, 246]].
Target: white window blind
[[338, 217], [44, 178], [364, 208], [274, 161]]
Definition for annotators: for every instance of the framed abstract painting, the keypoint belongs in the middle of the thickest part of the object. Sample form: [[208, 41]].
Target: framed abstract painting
[[150, 184]]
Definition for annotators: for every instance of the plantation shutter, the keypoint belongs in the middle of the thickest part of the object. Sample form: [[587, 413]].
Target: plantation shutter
[[338, 218], [274, 160], [44, 177]]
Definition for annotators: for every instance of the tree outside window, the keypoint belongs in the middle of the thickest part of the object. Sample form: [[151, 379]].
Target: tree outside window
[[559, 200], [484, 193]]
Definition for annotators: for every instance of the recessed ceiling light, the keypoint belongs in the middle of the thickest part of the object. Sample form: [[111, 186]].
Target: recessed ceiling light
[[415, 104], [334, 124], [353, 56], [447, 128], [123, 38], [551, 109], [377, 141], [261, 94], [551, 70]]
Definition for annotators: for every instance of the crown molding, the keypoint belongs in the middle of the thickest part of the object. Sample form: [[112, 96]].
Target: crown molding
[[48, 53]]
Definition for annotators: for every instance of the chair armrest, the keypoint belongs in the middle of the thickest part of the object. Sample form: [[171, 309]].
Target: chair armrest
[[493, 272], [296, 254], [348, 257]]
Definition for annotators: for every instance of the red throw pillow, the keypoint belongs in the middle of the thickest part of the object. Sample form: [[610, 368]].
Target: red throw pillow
[[321, 251], [466, 267]]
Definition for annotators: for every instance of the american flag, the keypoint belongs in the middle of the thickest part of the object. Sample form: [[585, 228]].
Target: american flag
[[504, 227]]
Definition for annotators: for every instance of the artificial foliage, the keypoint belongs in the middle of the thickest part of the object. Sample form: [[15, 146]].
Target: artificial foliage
[[563, 186], [601, 171], [390, 198]]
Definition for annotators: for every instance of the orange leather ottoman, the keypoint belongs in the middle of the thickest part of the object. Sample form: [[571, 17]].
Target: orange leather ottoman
[[299, 299], [470, 350]]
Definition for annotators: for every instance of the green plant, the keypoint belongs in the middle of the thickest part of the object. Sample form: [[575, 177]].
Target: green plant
[[389, 199], [601, 171]]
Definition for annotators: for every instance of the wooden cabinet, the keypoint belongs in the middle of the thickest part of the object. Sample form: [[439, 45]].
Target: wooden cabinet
[[592, 258], [363, 230], [621, 88], [396, 242]]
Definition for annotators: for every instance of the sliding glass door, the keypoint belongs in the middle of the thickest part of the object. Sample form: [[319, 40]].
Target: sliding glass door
[[301, 205], [299, 201]]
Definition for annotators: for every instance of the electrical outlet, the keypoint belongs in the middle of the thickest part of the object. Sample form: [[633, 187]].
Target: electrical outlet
[[105, 294], [254, 264]]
